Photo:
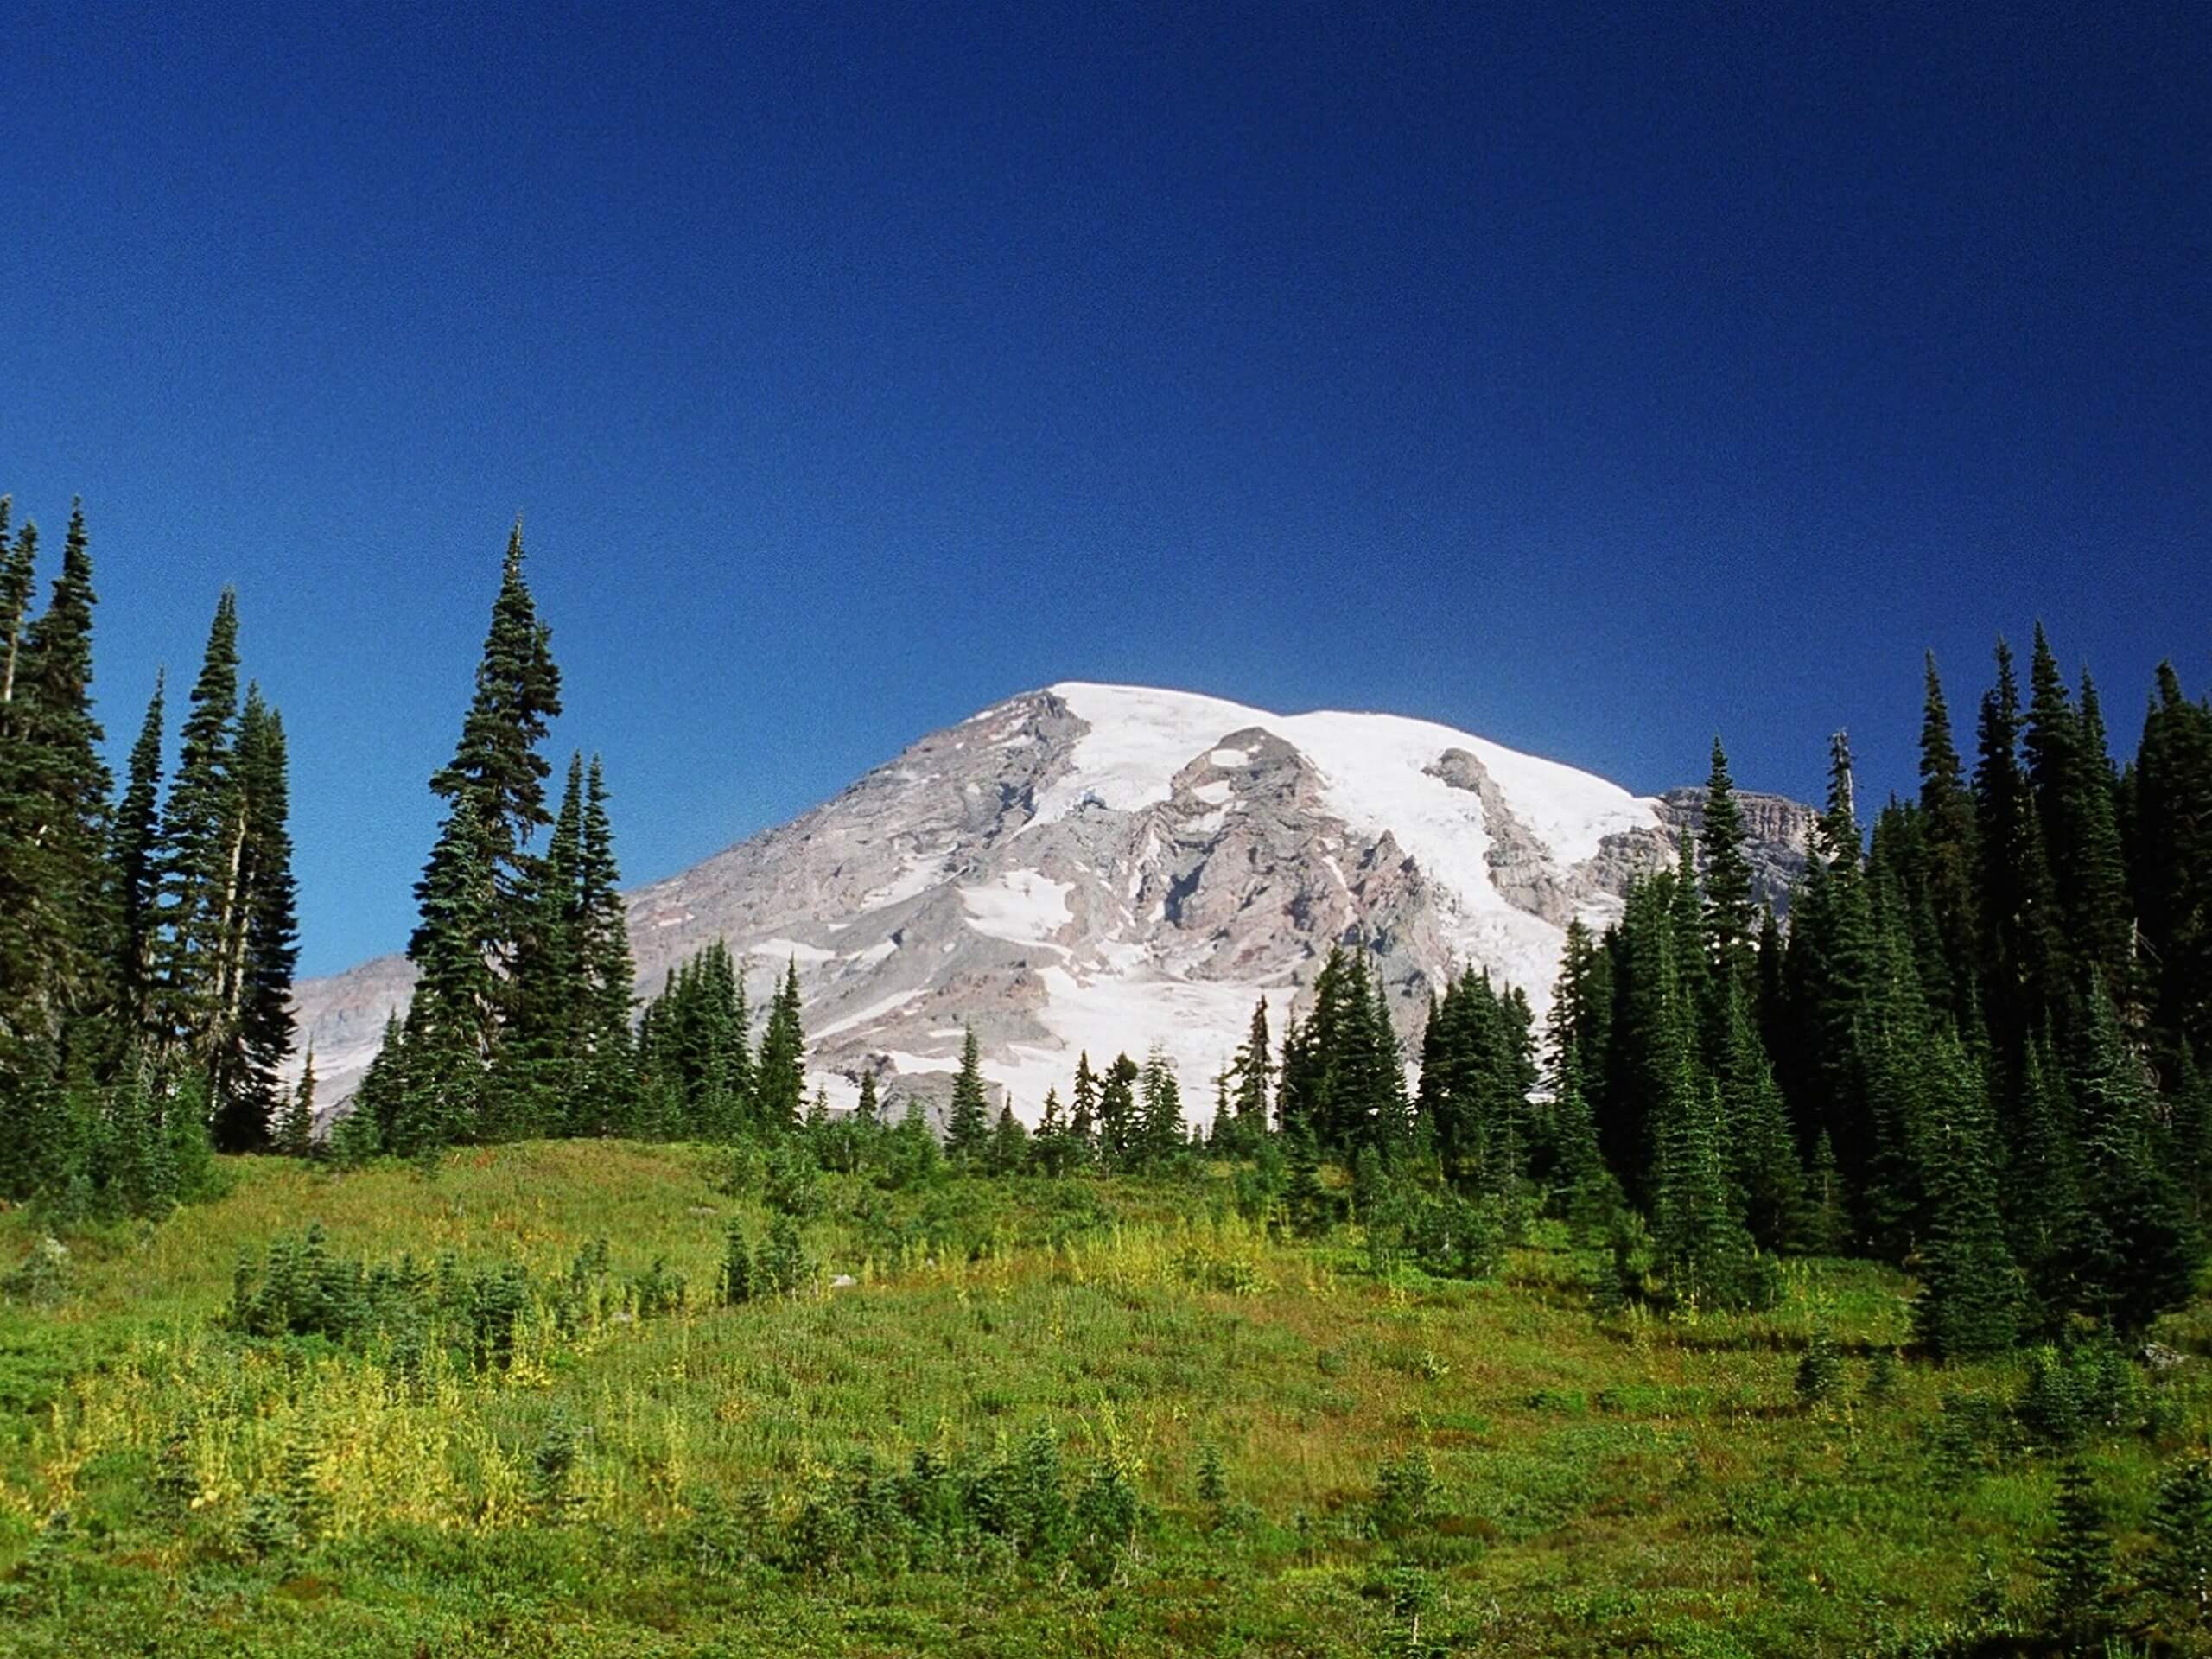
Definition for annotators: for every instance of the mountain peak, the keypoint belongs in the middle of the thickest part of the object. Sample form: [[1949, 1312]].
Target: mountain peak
[[1102, 868]]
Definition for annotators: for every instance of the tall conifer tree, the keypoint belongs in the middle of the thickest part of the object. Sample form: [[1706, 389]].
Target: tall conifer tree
[[253, 1031], [966, 1125], [1729, 920], [202, 831], [780, 1091], [138, 854], [1952, 857]]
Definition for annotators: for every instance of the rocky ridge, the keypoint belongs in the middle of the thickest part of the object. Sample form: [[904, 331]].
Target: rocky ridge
[[1108, 868]]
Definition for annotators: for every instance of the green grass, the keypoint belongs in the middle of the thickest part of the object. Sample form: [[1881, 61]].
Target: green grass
[[1621, 1485]]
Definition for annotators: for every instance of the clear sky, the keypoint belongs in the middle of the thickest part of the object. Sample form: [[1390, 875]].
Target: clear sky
[[1590, 379]]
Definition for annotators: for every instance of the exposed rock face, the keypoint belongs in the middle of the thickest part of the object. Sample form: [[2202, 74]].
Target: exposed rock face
[[1106, 868], [1777, 831]]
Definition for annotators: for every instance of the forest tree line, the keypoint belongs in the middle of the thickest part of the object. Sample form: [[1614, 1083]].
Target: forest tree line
[[1978, 1049], [147, 935]]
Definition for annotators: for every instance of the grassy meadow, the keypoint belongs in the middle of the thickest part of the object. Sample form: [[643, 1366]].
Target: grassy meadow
[[1043, 1417]]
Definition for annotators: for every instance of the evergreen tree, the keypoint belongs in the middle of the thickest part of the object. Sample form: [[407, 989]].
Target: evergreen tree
[[1306, 1201], [1052, 1150], [1762, 1152], [1082, 1122], [138, 853], [610, 972], [1830, 1221], [1118, 1111], [2179, 1572], [1701, 1246], [739, 1279], [1952, 857], [452, 1027], [1315, 1049], [53, 788], [1369, 1098], [57, 916], [1159, 1132], [2140, 1255], [203, 832], [1581, 1033], [1646, 1031], [254, 1033], [868, 1112], [1729, 917], [2077, 1562], [1252, 1078], [496, 765], [966, 1129], [2044, 1216], [295, 1134], [2020, 948], [2099, 909], [1009, 1147], [2171, 832], [480, 883], [1833, 975], [18, 580], [1971, 1306], [780, 1083], [1587, 1192], [546, 1045]]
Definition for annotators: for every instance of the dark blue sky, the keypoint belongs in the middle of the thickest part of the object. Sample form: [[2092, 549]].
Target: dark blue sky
[[1592, 380]]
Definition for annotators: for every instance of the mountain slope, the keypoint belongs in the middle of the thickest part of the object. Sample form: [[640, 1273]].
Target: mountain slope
[[1100, 868]]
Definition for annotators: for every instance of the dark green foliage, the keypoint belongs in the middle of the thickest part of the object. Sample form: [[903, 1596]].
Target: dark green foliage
[[780, 1087], [1009, 1148], [2179, 1572], [1104, 1520], [56, 916], [1478, 1070], [296, 1129], [1117, 1110], [1309, 1206], [1251, 1083], [1406, 1493], [136, 853], [695, 1070], [2170, 844], [496, 765], [1159, 1132], [1213, 1487], [1820, 1372], [1729, 920], [1701, 1247], [1951, 858], [1443, 1233], [784, 1268], [2076, 1562], [659, 1291], [202, 832], [967, 1128], [609, 973], [1971, 1306], [2022, 976], [1342, 1076], [552, 1468], [1762, 1152], [738, 1274], [2085, 1388], [509, 1013], [251, 1036], [2138, 1253]]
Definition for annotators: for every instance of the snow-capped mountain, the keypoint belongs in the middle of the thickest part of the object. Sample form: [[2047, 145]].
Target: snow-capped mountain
[[1109, 868]]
